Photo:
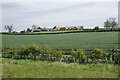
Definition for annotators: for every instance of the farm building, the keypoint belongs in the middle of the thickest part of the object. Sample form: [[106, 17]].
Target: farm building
[[56, 27], [40, 29], [72, 27], [67, 28]]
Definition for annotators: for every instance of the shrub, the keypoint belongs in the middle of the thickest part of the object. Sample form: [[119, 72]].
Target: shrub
[[117, 55], [48, 50], [79, 54], [98, 53], [117, 58]]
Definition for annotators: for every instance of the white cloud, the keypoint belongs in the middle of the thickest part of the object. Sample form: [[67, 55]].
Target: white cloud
[[60, 0], [48, 14]]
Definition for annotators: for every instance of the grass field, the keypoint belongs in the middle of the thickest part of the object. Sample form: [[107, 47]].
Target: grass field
[[44, 69], [90, 40]]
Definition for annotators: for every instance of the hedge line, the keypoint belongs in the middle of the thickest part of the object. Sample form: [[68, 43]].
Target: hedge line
[[59, 32], [48, 53]]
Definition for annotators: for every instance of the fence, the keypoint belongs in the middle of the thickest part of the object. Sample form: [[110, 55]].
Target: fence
[[66, 57], [68, 50]]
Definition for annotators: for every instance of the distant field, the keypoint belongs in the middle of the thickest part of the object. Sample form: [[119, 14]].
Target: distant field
[[87, 40], [44, 69]]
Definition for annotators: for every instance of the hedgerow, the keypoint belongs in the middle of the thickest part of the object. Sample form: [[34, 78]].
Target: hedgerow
[[47, 53]]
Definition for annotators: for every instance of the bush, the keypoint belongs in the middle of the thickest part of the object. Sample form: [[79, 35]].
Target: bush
[[98, 53], [117, 58], [79, 55], [117, 55]]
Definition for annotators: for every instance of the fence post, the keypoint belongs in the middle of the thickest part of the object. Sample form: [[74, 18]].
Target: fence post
[[68, 59], [34, 57], [75, 49], [20, 56], [50, 58], [54, 57], [113, 55], [2, 55]]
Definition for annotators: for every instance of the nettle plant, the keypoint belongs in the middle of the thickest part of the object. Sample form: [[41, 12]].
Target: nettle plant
[[117, 57], [48, 50], [9, 51], [79, 55], [98, 54]]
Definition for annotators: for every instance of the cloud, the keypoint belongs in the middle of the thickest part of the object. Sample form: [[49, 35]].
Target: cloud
[[88, 14], [60, 0]]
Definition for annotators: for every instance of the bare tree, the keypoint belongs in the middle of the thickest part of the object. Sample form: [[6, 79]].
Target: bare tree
[[9, 28], [110, 23]]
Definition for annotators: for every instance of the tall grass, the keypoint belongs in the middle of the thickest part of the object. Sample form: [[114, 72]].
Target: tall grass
[[45, 69]]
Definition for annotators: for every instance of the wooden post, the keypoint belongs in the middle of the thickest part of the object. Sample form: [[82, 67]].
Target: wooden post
[[68, 59], [50, 58], [113, 55], [75, 49], [24, 56], [54, 57], [2, 56], [34, 57], [20, 56], [87, 60]]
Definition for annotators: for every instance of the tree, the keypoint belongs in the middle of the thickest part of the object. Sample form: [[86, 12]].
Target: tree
[[75, 28], [29, 30], [9, 28], [22, 31], [110, 23], [96, 28], [34, 27]]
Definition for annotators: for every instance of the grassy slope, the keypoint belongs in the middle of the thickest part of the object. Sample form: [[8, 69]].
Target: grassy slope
[[104, 40], [40, 69]]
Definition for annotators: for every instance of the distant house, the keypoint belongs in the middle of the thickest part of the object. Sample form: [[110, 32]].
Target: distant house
[[56, 28], [67, 28], [44, 29], [36, 31], [41, 29], [72, 27]]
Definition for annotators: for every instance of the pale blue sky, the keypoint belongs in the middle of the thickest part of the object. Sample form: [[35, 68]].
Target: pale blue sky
[[88, 14]]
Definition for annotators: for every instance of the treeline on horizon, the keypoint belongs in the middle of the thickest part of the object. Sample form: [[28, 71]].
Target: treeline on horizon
[[62, 31]]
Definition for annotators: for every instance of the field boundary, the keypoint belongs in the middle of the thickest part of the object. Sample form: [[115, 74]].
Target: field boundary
[[68, 57], [58, 32], [110, 50]]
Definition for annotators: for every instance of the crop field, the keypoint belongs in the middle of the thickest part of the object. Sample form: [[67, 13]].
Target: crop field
[[45, 69], [26, 68], [90, 40]]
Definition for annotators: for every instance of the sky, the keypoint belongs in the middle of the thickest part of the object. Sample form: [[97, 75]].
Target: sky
[[48, 14]]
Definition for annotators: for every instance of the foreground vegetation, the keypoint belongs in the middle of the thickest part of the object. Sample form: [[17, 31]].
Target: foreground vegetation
[[45, 69], [34, 52], [88, 40]]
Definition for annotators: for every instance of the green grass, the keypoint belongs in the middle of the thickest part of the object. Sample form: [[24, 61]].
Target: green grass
[[44, 69], [88, 40]]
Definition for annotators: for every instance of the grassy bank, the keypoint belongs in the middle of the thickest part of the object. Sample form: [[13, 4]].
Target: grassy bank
[[44, 69]]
